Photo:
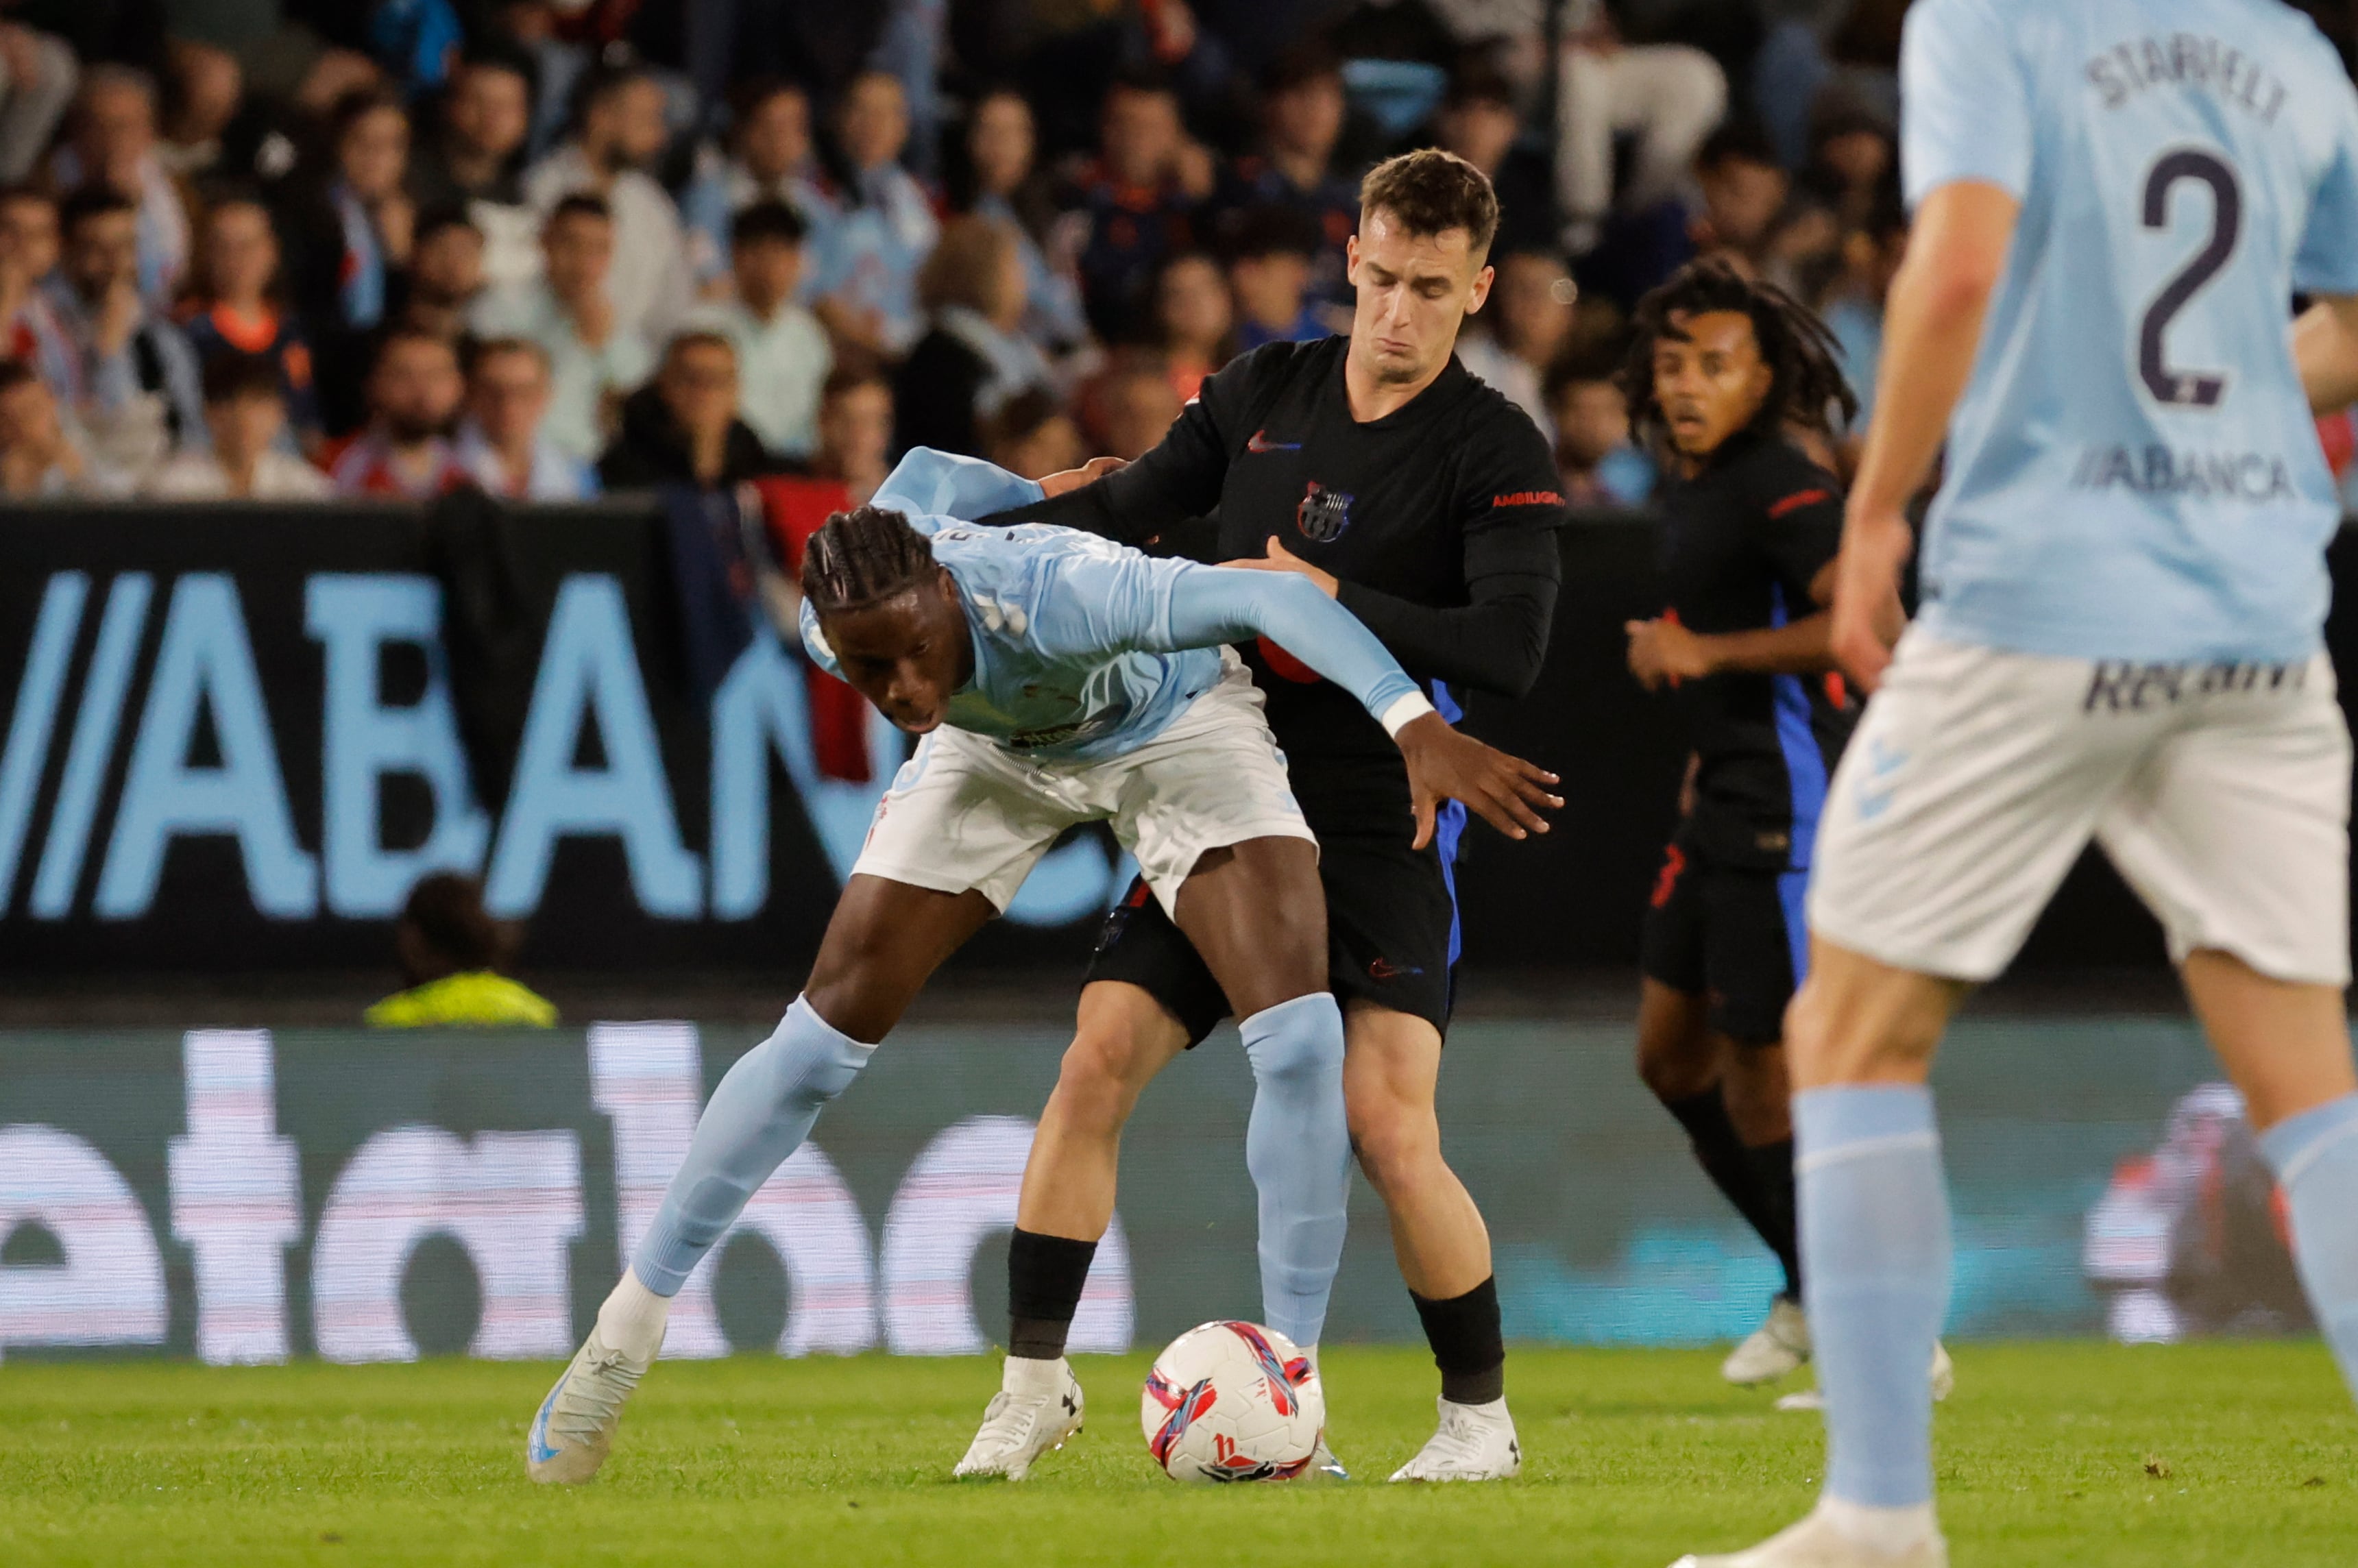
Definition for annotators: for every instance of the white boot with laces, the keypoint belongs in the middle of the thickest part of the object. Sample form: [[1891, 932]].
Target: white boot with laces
[[1475, 1442]]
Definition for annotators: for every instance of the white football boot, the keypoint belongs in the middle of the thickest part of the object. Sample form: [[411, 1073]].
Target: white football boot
[[1475, 1442], [1815, 1543], [1778, 1348], [1038, 1406], [575, 1429], [1944, 1383]]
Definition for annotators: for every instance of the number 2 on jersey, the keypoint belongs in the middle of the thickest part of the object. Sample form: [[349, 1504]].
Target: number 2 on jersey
[[2178, 388]]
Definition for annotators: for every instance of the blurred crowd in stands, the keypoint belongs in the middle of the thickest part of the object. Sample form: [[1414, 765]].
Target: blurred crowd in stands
[[283, 249]]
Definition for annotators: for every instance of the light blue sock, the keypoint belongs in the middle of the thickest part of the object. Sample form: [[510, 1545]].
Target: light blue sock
[[2315, 1157], [760, 1114], [1299, 1152], [1875, 1272]]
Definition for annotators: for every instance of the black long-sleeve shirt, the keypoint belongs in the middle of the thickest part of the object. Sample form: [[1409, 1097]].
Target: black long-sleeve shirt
[[1438, 521]]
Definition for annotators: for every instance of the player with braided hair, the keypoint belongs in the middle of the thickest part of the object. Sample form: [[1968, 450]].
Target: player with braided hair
[[1056, 678], [1725, 372]]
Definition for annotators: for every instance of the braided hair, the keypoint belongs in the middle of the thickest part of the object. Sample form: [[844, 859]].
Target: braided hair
[[863, 557], [1803, 360]]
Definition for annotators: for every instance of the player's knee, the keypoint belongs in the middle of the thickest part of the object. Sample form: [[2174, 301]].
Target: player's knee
[[1397, 1139], [1672, 1067], [1098, 1083]]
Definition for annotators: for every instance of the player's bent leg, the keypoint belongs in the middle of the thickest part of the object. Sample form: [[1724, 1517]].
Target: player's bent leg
[[885, 938], [1122, 1039], [1256, 914], [2286, 1045], [1443, 1247]]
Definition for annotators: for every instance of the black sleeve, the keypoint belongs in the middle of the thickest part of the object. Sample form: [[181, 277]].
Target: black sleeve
[[1508, 507], [1800, 511], [1181, 477]]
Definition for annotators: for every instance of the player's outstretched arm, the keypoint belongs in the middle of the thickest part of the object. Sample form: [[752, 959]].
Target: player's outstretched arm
[[1932, 329], [1212, 605], [2325, 346], [928, 483]]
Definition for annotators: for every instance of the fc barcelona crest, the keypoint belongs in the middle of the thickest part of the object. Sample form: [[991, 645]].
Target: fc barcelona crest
[[1323, 513]]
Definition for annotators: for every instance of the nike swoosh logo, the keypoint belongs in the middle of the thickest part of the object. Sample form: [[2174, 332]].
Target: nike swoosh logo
[[1871, 807], [1880, 761], [541, 1451], [1262, 443]]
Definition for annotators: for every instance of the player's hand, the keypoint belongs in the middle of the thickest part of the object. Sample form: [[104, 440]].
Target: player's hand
[[1090, 472], [1278, 558], [1663, 652], [1866, 593], [1505, 792]]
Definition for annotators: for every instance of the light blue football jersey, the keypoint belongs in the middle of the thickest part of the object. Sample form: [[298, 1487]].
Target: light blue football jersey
[[1085, 649], [2133, 472]]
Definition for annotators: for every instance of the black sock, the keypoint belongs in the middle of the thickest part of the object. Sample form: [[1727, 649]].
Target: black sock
[[1734, 1171], [1772, 1177], [1044, 1276], [1467, 1344]]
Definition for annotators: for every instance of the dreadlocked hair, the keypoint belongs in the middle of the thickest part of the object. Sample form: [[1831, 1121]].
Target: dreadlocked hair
[[1803, 360], [863, 557]]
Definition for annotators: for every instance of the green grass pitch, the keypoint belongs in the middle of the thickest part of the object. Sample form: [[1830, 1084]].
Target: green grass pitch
[[2073, 1454]]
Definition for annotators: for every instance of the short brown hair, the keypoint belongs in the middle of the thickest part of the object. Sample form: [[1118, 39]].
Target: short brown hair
[[1430, 192], [964, 268]]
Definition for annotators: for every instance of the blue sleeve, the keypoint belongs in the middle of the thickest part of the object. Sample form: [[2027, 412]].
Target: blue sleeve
[[1965, 99], [2327, 262], [1206, 606], [928, 483]]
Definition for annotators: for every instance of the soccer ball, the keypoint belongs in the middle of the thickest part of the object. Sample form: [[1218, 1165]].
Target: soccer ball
[[1233, 1401]]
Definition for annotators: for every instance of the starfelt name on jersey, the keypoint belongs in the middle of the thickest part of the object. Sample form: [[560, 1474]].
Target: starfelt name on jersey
[[2188, 59], [2204, 476]]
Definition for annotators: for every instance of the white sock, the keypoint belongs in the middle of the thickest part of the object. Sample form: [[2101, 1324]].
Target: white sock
[[1029, 1378], [632, 1320], [1887, 1530]]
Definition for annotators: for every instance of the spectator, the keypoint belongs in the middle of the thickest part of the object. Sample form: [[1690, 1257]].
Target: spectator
[[871, 251], [1000, 147], [783, 356], [855, 431], [114, 144], [356, 233], [622, 130], [40, 457], [682, 427], [236, 312], [1666, 97], [975, 358], [1854, 309], [1744, 192], [404, 451], [1139, 199], [452, 956], [595, 358], [245, 409], [1528, 316], [134, 379], [770, 160], [1033, 435], [204, 87], [1195, 319], [472, 160], [1269, 259], [1590, 416], [1301, 110], [29, 255], [446, 272], [39, 73], [413, 41], [1131, 406], [1478, 120], [501, 442]]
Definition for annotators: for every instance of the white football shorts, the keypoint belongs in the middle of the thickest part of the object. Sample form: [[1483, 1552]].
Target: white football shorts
[[967, 813], [2221, 791]]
